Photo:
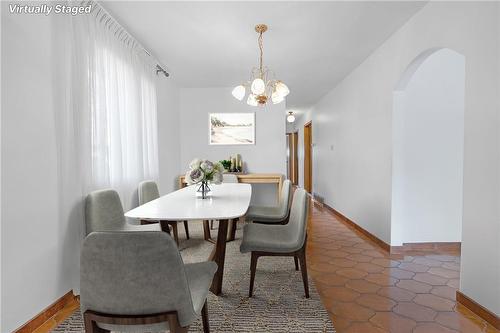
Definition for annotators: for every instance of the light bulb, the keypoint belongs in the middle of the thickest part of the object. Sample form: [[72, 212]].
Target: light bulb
[[239, 92], [276, 97], [251, 100], [282, 89], [290, 118], [258, 86]]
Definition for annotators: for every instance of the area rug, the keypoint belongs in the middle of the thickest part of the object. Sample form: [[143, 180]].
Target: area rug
[[278, 303]]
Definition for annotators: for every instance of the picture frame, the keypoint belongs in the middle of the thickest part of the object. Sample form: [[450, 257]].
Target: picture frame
[[231, 128]]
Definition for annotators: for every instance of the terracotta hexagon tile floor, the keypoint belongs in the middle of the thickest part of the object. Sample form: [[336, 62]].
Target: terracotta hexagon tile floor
[[415, 286], [365, 289], [415, 311]]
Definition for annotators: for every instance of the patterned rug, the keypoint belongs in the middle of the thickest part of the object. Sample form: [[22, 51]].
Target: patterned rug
[[278, 303]]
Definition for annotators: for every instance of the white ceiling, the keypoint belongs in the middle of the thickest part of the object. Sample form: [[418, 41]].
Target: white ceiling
[[311, 46]]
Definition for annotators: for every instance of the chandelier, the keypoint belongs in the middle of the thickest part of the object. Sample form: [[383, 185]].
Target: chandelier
[[263, 86]]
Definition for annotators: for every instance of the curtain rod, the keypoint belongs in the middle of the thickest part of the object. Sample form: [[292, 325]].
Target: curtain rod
[[160, 68]]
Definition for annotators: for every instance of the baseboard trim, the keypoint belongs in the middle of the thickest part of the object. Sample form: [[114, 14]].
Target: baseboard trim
[[354, 225], [442, 247], [478, 309], [46, 313]]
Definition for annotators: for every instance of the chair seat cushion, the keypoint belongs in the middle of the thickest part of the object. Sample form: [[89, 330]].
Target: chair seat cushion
[[268, 238], [143, 227], [265, 214], [200, 276]]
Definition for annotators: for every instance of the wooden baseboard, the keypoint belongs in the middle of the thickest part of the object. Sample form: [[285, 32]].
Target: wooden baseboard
[[355, 226], [441, 247], [46, 314], [478, 309]]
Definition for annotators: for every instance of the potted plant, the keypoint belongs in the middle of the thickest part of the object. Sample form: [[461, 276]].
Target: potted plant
[[226, 164]]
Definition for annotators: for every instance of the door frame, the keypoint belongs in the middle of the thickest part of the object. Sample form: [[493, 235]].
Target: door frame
[[292, 158], [308, 158]]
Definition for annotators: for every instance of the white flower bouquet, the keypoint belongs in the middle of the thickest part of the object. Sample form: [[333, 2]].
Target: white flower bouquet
[[204, 172]]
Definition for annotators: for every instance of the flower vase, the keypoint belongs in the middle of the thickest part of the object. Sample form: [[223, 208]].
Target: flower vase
[[204, 189]]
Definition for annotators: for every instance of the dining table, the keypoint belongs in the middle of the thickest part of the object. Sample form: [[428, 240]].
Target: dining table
[[225, 202]]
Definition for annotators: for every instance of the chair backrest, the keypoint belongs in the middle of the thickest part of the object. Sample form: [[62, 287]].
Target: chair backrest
[[229, 178], [284, 203], [299, 212], [134, 273], [148, 190], [104, 211]]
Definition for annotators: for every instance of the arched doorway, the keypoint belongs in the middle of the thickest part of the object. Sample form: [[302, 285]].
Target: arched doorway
[[428, 146]]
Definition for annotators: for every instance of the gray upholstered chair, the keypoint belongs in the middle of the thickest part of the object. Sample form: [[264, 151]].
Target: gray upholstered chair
[[147, 191], [229, 178], [104, 212], [280, 240], [273, 215], [137, 282]]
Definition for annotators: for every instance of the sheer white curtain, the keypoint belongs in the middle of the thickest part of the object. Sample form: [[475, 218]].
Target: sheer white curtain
[[105, 118], [115, 103]]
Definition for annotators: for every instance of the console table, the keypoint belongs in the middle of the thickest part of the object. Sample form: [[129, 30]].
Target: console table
[[252, 178]]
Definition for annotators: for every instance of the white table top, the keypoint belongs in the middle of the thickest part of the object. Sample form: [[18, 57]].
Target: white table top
[[227, 201]]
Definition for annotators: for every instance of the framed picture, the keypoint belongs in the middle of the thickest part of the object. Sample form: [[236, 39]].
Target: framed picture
[[232, 128]]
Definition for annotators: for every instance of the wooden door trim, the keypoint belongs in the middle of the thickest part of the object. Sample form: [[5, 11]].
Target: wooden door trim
[[308, 162], [292, 158]]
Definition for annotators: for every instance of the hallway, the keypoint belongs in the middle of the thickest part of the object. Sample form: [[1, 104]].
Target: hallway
[[367, 290]]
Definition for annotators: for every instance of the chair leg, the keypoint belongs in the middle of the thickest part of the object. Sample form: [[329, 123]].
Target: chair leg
[[303, 269], [165, 226], [232, 230], [211, 224], [174, 326], [186, 228], [204, 318], [175, 232], [206, 230], [253, 268], [296, 262]]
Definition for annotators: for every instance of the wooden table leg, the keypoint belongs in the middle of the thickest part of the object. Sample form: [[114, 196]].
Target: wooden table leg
[[219, 255]]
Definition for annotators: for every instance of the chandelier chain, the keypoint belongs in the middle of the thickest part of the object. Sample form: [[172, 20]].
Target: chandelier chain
[[261, 47], [263, 84]]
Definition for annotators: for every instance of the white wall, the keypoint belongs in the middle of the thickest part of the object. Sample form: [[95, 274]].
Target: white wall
[[1, 308], [355, 119], [428, 150], [34, 243], [268, 155]]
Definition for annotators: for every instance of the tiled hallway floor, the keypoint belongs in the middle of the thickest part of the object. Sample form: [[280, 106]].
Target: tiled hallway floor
[[367, 290]]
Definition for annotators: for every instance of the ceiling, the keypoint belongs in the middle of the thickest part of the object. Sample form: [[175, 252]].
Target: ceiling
[[311, 46]]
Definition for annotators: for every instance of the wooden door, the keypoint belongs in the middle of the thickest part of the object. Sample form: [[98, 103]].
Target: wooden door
[[308, 157], [293, 162]]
